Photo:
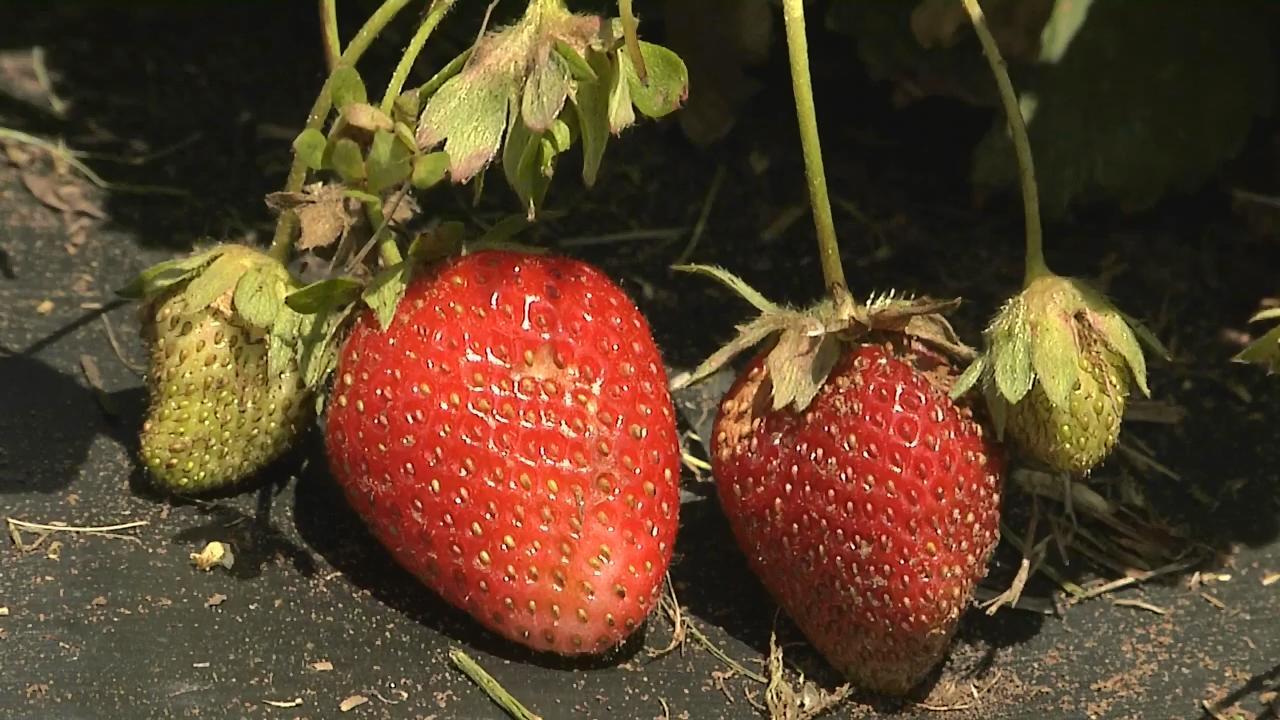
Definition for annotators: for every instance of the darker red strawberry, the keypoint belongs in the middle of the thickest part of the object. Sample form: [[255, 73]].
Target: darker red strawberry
[[869, 516], [511, 440]]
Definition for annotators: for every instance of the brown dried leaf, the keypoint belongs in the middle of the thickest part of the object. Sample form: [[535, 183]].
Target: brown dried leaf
[[352, 702]]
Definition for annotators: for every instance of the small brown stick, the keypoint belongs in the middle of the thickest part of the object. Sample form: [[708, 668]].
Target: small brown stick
[[137, 369], [1029, 550], [703, 215], [1141, 605], [491, 687]]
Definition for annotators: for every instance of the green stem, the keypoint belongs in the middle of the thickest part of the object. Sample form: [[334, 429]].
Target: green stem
[[287, 225], [491, 687], [828, 245], [329, 26], [436, 13], [630, 33], [1035, 263]]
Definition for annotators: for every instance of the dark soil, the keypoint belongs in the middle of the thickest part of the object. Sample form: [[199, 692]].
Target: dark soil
[[205, 101]]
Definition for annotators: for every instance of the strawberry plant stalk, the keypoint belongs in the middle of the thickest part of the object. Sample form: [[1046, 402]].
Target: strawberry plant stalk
[[1035, 263], [798, 52], [329, 33], [629, 33], [436, 13], [287, 225]]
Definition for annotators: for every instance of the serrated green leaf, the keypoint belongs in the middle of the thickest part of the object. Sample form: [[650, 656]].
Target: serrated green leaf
[[429, 169], [578, 67], [388, 163], [162, 275], [346, 87], [259, 295], [323, 295], [592, 104], [1055, 358], [366, 117], [544, 93], [309, 147], [347, 160], [1264, 351], [218, 278], [385, 291], [666, 84], [969, 377], [469, 118], [1011, 353], [1117, 334]]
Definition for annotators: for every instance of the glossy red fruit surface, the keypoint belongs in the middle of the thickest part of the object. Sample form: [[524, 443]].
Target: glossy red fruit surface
[[869, 517], [510, 439]]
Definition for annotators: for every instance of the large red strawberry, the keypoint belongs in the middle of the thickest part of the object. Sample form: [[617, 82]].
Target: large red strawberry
[[511, 440], [869, 515]]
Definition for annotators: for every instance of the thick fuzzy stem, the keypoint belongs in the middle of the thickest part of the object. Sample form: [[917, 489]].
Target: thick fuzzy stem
[[1035, 263], [287, 225], [329, 33], [632, 38], [435, 14], [798, 50]]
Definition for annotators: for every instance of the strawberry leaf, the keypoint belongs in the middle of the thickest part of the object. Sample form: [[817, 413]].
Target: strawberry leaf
[[469, 117], [734, 283], [432, 86], [406, 108], [544, 92], [429, 169], [385, 291], [592, 104], [284, 336], [321, 296], [366, 117], [522, 167], [347, 160], [1120, 338], [160, 276], [388, 162], [259, 295], [309, 147], [666, 84], [578, 66], [346, 87], [1264, 351]]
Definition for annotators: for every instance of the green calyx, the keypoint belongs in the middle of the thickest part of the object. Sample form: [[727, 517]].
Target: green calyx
[[1057, 344], [804, 345], [1264, 351], [535, 88]]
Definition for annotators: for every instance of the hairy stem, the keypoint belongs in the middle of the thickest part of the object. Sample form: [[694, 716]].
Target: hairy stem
[[329, 33], [436, 13], [287, 225], [798, 51], [630, 34], [1035, 264]]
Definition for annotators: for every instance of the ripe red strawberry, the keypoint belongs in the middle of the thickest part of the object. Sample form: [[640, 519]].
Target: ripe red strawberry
[[869, 516], [511, 440]]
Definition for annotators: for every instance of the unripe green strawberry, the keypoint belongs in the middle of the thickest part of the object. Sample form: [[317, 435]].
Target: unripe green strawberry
[[217, 415], [225, 399], [1076, 436], [1059, 364]]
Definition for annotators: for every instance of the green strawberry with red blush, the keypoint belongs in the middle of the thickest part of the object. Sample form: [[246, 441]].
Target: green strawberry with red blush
[[510, 439]]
